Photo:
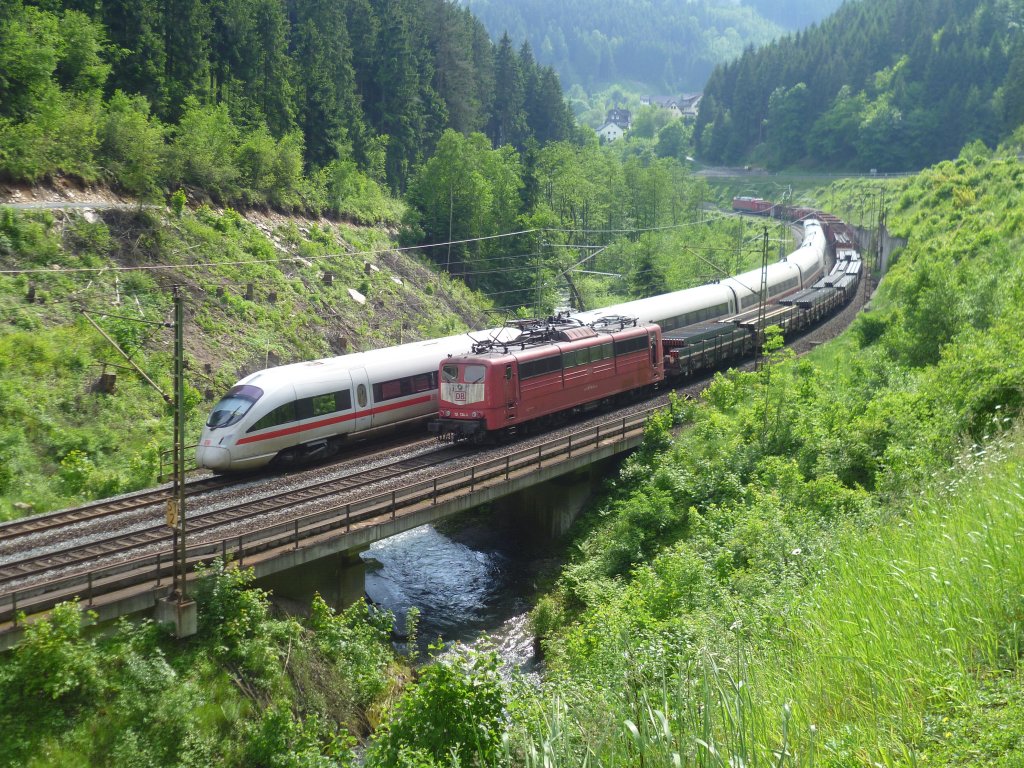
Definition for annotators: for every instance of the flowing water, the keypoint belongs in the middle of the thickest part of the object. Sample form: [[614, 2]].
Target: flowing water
[[475, 574]]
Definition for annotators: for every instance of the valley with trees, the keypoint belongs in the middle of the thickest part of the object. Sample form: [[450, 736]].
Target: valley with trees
[[813, 563], [658, 47]]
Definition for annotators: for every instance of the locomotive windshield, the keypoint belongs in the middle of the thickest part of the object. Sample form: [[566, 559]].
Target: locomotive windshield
[[469, 374], [463, 383], [234, 405]]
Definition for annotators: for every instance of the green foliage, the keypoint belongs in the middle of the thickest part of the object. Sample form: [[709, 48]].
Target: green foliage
[[54, 668], [467, 191], [665, 47], [279, 740], [204, 148], [178, 200], [454, 711], [237, 617], [132, 145], [356, 640]]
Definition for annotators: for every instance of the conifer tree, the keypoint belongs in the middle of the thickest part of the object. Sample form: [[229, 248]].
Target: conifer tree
[[186, 29], [508, 116], [329, 111]]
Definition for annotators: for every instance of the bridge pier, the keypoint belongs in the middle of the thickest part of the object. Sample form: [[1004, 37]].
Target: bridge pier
[[553, 506], [339, 578], [182, 614]]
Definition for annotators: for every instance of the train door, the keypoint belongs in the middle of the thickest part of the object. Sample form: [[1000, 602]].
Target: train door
[[511, 393], [657, 364], [361, 399]]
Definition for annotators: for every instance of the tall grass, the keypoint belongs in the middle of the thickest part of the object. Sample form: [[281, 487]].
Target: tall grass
[[910, 616], [899, 628]]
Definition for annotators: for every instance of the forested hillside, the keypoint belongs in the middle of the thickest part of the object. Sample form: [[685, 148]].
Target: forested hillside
[[664, 46], [287, 102], [880, 84]]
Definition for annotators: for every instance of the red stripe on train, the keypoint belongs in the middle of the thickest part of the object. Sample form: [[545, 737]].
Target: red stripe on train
[[332, 420]]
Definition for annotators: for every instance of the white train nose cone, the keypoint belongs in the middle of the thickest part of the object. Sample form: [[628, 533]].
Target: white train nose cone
[[213, 457]]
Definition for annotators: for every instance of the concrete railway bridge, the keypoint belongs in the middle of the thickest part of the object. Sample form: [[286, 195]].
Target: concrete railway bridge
[[545, 485]]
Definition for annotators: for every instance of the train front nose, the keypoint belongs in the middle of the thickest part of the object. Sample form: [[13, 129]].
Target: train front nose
[[213, 457]]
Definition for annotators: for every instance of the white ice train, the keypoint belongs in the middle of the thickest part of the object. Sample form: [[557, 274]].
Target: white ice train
[[306, 410], [797, 270]]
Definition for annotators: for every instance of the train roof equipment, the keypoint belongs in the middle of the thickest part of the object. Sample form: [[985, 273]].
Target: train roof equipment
[[560, 328]]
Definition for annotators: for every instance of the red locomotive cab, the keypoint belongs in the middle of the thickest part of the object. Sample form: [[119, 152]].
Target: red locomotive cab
[[553, 371], [476, 395]]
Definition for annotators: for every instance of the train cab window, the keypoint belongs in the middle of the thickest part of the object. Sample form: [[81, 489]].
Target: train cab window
[[474, 374], [234, 405], [361, 395], [280, 415], [450, 374]]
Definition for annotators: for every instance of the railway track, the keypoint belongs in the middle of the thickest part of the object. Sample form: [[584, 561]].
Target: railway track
[[27, 526], [125, 543], [13, 533]]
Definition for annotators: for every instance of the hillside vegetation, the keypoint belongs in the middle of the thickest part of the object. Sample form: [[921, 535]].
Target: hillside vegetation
[[292, 104], [821, 567], [663, 47], [880, 84]]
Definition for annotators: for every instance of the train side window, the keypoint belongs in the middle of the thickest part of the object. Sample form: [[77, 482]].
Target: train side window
[[387, 390], [343, 400], [324, 404], [508, 373], [569, 358], [361, 395], [280, 415], [304, 408], [424, 382], [532, 368]]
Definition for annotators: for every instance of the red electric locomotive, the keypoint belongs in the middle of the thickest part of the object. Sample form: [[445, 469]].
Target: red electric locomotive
[[551, 370]]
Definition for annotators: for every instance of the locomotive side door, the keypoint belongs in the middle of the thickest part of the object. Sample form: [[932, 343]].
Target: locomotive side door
[[510, 391], [657, 365], [362, 399]]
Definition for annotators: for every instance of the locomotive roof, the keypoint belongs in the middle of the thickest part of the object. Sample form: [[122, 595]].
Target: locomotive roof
[[539, 339]]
